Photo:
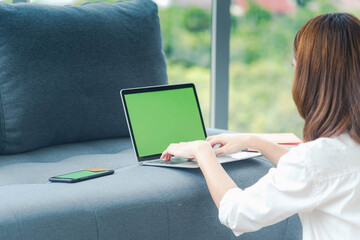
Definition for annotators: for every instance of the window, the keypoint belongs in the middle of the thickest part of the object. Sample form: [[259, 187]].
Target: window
[[261, 75]]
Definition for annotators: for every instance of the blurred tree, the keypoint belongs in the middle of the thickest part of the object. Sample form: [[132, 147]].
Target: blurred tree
[[186, 35], [257, 14], [196, 20]]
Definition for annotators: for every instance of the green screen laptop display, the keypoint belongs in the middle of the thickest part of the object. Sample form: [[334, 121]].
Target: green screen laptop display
[[159, 116]]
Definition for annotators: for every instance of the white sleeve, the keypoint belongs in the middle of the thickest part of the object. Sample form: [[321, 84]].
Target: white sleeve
[[282, 192]]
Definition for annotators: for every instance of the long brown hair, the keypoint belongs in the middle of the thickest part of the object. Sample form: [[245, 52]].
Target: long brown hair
[[326, 87]]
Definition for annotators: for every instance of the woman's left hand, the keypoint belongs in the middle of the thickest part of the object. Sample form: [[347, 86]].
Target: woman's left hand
[[187, 150]]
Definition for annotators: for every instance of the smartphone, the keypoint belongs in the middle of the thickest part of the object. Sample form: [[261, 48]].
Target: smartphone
[[80, 176]]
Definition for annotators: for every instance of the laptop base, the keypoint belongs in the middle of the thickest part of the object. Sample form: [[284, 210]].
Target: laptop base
[[185, 163]]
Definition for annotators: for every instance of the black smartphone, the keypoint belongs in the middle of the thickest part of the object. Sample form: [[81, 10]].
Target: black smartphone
[[80, 176]]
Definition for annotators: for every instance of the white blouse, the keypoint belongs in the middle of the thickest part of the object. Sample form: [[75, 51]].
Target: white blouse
[[319, 180]]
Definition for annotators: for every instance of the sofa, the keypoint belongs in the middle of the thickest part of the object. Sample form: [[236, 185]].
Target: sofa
[[61, 70]]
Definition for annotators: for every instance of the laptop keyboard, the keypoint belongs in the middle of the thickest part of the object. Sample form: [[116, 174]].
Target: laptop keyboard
[[172, 161]]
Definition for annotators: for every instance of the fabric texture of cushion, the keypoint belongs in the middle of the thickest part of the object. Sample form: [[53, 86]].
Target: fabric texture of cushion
[[167, 203], [62, 67]]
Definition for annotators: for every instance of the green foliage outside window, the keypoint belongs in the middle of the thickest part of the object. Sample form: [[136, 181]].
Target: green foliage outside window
[[260, 68], [196, 20]]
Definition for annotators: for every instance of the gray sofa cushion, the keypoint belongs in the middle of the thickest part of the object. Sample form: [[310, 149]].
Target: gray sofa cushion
[[137, 202], [61, 70]]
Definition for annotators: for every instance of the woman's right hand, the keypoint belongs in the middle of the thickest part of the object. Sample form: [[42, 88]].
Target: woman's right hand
[[229, 143]]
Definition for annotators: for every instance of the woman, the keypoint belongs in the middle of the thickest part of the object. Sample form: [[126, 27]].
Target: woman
[[319, 179]]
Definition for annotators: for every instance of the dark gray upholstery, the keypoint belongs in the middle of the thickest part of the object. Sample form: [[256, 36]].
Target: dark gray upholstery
[[48, 100], [61, 70], [137, 202]]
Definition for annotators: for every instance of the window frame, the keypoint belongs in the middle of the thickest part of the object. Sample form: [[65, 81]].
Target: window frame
[[220, 51]]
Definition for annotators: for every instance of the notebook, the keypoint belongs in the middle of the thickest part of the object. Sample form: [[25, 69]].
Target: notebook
[[280, 138], [160, 115]]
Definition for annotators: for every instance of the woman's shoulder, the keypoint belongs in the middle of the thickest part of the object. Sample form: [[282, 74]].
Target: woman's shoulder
[[335, 147], [327, 156], [328, 146]]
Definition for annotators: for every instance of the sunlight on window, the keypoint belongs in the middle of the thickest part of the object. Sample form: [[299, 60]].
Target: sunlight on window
[[162, 3]]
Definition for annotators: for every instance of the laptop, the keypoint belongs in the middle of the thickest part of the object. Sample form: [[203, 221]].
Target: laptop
[[160, 115]]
